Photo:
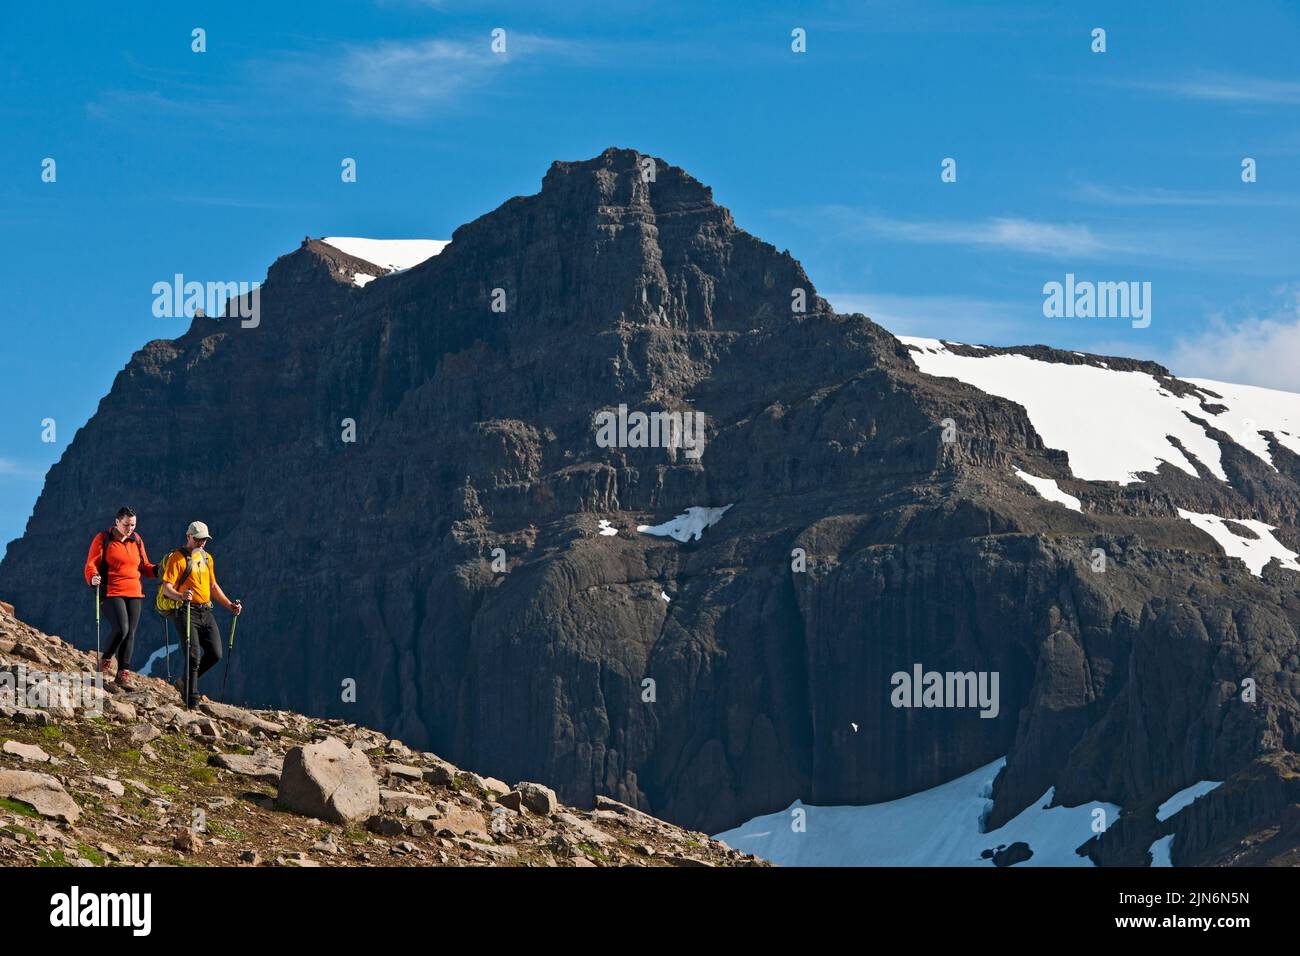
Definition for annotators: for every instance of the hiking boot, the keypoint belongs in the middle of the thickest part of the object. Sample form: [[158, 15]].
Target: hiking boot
[[124, 679], [104, 665]]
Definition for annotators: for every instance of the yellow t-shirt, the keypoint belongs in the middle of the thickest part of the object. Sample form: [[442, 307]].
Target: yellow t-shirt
[[202, 574]]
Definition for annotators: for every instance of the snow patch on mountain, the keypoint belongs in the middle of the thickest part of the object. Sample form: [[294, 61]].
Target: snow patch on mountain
[[1253, 411], [1160, 851], [158, 655], [936, 827], [1115, 424], [392, 255], [1184, 798], [692, 523], [1047, 488], [1255, 552]]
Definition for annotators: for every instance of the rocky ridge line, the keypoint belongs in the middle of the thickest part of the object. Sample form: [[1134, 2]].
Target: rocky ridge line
[[274, 789]]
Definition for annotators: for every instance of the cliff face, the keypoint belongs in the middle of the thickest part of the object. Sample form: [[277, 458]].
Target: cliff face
[[476, 430]]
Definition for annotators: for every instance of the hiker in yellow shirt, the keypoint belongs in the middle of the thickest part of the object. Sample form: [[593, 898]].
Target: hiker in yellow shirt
[[188, 575]]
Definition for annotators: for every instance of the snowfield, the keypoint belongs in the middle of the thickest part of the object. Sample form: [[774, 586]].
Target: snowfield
[[1162, 849], [1047, 488], [1185, 798], [1256, 552], [1252, 410], [1076, 407], [936, 827], [692, 523], [392, 255]]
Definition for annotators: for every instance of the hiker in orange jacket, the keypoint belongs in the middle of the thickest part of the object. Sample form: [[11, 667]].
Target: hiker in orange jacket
[[189, 575], [117, 559]]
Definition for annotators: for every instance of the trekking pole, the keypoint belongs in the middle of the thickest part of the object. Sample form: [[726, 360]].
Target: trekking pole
[[167, 648], [225, 679], [98, 654], [188, 604]]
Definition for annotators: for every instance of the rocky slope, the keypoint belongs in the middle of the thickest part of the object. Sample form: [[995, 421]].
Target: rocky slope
[[130, 778], [769, 679]]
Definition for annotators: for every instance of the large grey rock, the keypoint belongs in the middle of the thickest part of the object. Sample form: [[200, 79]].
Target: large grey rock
[[537, 798], [241, 717], [397, 800], [115, 787], [440, 773], [262, 766], [27, 752], [329, 781], [41, 792], [142, 733]]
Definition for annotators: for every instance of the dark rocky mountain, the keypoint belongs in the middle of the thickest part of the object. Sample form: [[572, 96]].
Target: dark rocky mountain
[[476, 430]]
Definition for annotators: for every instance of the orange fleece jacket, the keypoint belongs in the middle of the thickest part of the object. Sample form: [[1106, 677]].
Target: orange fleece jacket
[[127, 561]]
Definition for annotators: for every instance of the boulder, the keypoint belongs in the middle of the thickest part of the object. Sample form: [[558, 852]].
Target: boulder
[[458, 820], [260, 766], [241, 718], [441, 774], [586, 831], [29, 752], [139, 734], [385, 826], [404, 771], [401, 799], [328, 781], [123, 710], [537, 798], [114, 787], [41, 792]]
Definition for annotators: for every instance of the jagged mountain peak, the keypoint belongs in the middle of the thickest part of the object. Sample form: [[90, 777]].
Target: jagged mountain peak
[[629, 178], [629, 239]]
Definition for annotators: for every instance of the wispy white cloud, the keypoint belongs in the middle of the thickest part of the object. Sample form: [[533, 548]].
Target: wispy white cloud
[[1146, 196], [410, 78], [118, 105], [1255, 350], [404, 78], [1152, 196], [1131, 242], [1034, 237], [1227, 89], [389, 79]]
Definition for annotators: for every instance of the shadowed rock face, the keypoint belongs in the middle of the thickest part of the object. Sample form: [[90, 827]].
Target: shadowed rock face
[[371, 560]]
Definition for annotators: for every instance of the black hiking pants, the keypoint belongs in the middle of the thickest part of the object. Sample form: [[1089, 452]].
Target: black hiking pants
[[204, 636], [124, 615]]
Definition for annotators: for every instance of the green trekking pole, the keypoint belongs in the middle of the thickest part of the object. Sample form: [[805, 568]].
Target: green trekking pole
[[225, 679], [187, 654]]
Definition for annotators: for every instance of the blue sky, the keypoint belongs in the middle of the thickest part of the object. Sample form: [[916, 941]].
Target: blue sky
[[1123, 165]]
